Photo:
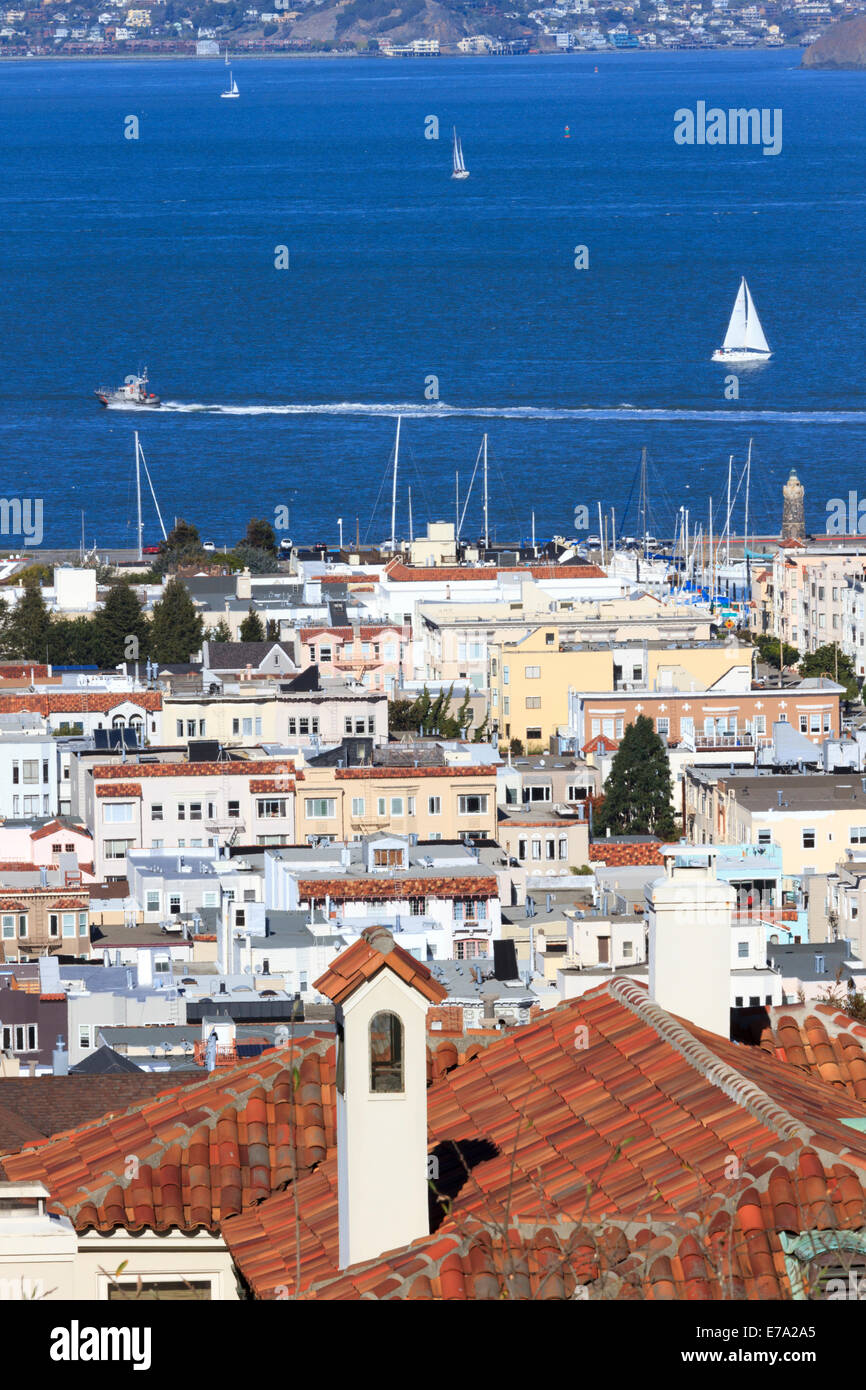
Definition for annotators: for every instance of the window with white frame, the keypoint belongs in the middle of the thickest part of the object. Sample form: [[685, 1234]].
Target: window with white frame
[[472, 805], [319, 807], [359, 805], [271, 808], [117, 812], [434, 805]]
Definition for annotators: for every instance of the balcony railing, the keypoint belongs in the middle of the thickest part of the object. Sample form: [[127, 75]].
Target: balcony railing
[[735, 739]]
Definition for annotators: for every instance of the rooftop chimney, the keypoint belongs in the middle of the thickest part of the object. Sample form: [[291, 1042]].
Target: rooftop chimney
[[60, 1059], [690, 912]]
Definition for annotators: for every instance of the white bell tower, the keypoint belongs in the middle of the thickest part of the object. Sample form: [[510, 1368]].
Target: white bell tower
[[382, 996]]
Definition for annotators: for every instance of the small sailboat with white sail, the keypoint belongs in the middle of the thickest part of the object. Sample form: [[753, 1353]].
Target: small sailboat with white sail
[[232, 89], [744, 340], [460, 170]]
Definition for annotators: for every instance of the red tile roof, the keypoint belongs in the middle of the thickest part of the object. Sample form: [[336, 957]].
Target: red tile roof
[[615, 853], [91, 702], [376, 951], [184, 769], [820, 1040], [381, 887], [120, 789], [410, 773], [638, 1126], [600, 744], [205, 1151], [57, 827], [403, 574], [366, 631]]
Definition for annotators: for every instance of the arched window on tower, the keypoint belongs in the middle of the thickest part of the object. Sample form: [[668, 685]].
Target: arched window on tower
[[386, 1053]]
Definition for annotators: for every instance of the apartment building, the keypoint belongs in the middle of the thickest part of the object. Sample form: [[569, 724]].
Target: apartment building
[[305, 712], [538, 688], [546, 844], [439, 900], [29, 768], [86, 710], [802, 595], [43, 912], [813, 818], [423, 796], [716, 720], [184, 804], [455, 637], [376, 656]]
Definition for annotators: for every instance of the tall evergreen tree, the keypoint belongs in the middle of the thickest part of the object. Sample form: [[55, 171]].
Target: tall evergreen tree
[[637, 794], [251, 628], [221, 633], [831, 661], [116, 623], [176, 627], [260, 535], [30, 625]]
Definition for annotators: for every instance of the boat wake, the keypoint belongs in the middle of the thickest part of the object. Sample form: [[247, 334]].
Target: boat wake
[[438, 410]]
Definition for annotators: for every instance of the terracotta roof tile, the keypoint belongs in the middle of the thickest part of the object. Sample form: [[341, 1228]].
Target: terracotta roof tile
[[411, 773], [250, 768], [364, 959], [90, 702], [120, 789]]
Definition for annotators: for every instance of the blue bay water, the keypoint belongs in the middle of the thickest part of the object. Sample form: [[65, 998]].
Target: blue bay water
[[283, 385]]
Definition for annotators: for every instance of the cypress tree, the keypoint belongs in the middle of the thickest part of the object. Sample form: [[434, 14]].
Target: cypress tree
[[119, 620], [30, 624], [176, 627], [637, 794], [251, 627]]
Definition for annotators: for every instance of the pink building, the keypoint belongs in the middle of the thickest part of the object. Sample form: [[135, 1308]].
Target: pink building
[[374, 654], [24, 845]]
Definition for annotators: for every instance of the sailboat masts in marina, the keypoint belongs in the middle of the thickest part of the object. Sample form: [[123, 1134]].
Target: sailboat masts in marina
[[457, 505], [643, 500], [394, 490], [728, 513], [152, 493], [411, 537]]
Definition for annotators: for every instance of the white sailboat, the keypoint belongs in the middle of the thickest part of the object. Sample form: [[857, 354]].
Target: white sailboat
[[744, 340], [460, 170], [232, 89]]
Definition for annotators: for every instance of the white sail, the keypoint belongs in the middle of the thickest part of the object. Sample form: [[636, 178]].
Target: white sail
[[754, 339], [736, 334], [234, 87]]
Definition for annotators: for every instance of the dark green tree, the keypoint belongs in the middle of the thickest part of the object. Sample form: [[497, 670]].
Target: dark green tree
[[769, 650], [260, 535], [255, 560], [831, 661], [176, 627], [401, 717], [182, 543], [72, 642], [251, 627], [637, 794], [120, 629], [221, 633], [272, 630], [30, 625]]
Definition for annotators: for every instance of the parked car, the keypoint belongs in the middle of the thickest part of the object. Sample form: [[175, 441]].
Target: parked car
[[150, 550]]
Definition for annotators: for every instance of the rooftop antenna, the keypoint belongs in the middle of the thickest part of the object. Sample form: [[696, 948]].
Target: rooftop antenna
[[394, 489]]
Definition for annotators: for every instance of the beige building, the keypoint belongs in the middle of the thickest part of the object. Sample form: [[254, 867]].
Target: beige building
[[813, 818], [305, 712], [434, 803], [801, 595], [544, 844], [455, 638], [44, 921]]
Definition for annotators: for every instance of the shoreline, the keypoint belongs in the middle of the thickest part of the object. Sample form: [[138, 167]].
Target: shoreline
[[381, 57]]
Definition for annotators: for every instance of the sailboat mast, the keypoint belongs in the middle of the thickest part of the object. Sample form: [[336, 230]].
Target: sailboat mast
[[728, 512], [394, 490], [643, 499], [486, 531], [457, 505], [138, 495], [748, 480], [411, 537]]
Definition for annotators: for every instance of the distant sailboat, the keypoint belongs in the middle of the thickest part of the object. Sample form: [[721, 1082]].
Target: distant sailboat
[[232, 89], [744, 340], [460, 170]]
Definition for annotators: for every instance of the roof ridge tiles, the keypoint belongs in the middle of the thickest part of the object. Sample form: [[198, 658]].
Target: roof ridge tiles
[[720, 1074]]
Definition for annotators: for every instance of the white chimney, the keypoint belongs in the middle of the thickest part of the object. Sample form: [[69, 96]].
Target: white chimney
[[690, 913], [145, 968], [381, 1104]]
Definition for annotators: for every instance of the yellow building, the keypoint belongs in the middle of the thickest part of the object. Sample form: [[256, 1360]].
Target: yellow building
[[138, 19], [530, 679]]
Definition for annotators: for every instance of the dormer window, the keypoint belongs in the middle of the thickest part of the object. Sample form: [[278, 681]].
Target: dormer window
[[386, 1053]]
